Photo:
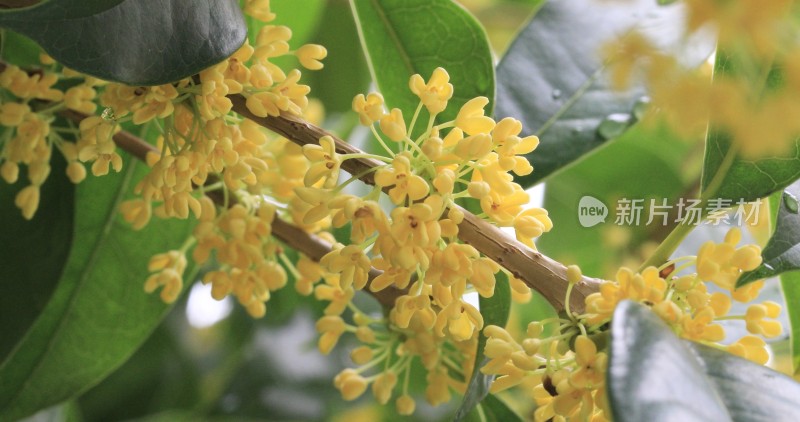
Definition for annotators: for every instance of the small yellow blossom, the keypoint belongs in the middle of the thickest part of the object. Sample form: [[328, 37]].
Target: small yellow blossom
[[393, 125], [471, 118], [369, 108], [403, 182], [435, 93], [310, 55]]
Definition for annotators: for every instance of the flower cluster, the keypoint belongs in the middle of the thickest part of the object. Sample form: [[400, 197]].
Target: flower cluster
[[563, 358], [755, 51], [412, 245], [204, 150], [29, 102]]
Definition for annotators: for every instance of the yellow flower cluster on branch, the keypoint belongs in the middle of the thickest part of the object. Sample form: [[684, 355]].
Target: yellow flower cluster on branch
[[563, 359], [403, 235], [414, 242]]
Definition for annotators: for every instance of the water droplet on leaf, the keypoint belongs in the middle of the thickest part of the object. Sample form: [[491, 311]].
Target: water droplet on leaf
[[614, 125], [556, 94], [790, 202]]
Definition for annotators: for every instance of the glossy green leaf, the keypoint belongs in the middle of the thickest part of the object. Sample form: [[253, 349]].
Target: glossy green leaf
[[34, 252], [552, 79], [782, 252], [790, 282], [747, 180], [99, 314], [143, 42], [751, 392], [654, 375], [495, 311], [406, 37]]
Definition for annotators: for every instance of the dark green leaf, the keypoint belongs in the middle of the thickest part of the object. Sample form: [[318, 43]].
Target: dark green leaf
[[406, 37], [654, 375], [33, 254], [99, 313], [495, 311], [142, 42], [747, 180], [751, 392], [552, 78], [158, 377], [782, 252]]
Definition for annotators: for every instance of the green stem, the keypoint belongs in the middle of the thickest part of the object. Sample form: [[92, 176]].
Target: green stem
[[676, 236]]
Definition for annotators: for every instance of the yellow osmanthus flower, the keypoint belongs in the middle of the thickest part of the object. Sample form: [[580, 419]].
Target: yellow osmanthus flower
[[435, 93], [393, 125], [403, 183], [259, 9], [325, 163], [168, 271], [369, 108]]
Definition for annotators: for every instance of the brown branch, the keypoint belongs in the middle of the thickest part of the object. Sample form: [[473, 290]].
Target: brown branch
[[16, 4], [539, 272]]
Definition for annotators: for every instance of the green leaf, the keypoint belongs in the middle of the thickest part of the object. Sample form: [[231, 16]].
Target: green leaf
[[746, 180], [345, 74], [142, 42], [158, 377], [782, 252], [654, 375], [497, 410], [495, 311], [35, 254], [790, 285], [302, 16], [19, 49], [99, 314], [492, 409], [406, 37], [552, 77], [751, 392]]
